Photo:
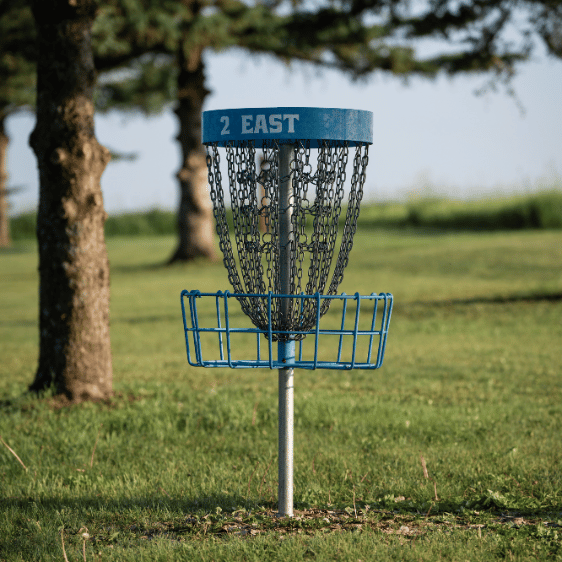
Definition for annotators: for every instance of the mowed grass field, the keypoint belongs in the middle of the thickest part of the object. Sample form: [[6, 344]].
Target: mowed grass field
[[451, 451]]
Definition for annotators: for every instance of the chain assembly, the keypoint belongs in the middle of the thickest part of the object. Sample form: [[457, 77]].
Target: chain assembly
[[249, 233]]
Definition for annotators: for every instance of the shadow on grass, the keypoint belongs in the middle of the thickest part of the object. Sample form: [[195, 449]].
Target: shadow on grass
[[139, 268], [19, 323], [160, 501], [164, 266], [122, 522], [147, 319], [161, 504], [490, 299], [18, 248]]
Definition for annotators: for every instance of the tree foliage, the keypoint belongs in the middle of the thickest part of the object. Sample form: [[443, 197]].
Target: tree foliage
[[17, 86], [17, 61], [357, 37]]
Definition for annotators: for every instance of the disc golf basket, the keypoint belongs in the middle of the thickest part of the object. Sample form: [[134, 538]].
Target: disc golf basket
[[286, 240]]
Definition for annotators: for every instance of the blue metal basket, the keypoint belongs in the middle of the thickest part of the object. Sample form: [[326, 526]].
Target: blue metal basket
[[358, 324]]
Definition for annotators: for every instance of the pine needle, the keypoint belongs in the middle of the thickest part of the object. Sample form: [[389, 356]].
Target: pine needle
[[13, 452], [62, 541]]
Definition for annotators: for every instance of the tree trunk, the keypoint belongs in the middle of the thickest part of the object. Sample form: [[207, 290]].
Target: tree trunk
[[5, 240], [74, 344], [195, 216]]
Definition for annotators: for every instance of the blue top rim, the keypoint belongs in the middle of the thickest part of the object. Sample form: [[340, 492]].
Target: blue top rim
[[286, 125]]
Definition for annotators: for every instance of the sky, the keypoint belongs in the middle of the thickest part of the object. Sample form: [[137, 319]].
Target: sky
[[430, 137]]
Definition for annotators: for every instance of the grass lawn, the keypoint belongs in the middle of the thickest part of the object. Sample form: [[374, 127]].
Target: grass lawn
[[451, 451]]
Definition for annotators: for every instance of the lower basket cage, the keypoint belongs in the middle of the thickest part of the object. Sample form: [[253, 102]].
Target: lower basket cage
[[351, 335]]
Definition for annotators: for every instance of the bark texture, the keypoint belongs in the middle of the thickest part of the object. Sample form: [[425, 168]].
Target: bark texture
[[5, 240], [74, 344], [196, 225]]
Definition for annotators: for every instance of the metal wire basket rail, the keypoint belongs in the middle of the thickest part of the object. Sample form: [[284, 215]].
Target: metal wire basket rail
[[360, 328]]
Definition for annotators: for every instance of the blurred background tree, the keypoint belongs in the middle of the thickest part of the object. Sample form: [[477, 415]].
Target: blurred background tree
[[151, 53], [17, 87], [357, 37]]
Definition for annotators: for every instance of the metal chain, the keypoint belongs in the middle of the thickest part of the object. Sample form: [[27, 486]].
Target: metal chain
[[253, 267]]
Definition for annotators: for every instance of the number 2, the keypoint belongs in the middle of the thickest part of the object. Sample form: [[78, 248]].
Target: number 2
[[225, 129]]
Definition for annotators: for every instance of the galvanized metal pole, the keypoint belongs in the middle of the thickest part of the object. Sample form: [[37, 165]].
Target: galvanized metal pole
[[286, 350]]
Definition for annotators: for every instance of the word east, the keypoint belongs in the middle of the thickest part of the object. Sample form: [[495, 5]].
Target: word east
[[256, 124]]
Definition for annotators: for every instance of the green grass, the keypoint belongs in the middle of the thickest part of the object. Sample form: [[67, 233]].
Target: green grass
[[181, 464], [541, 210]]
